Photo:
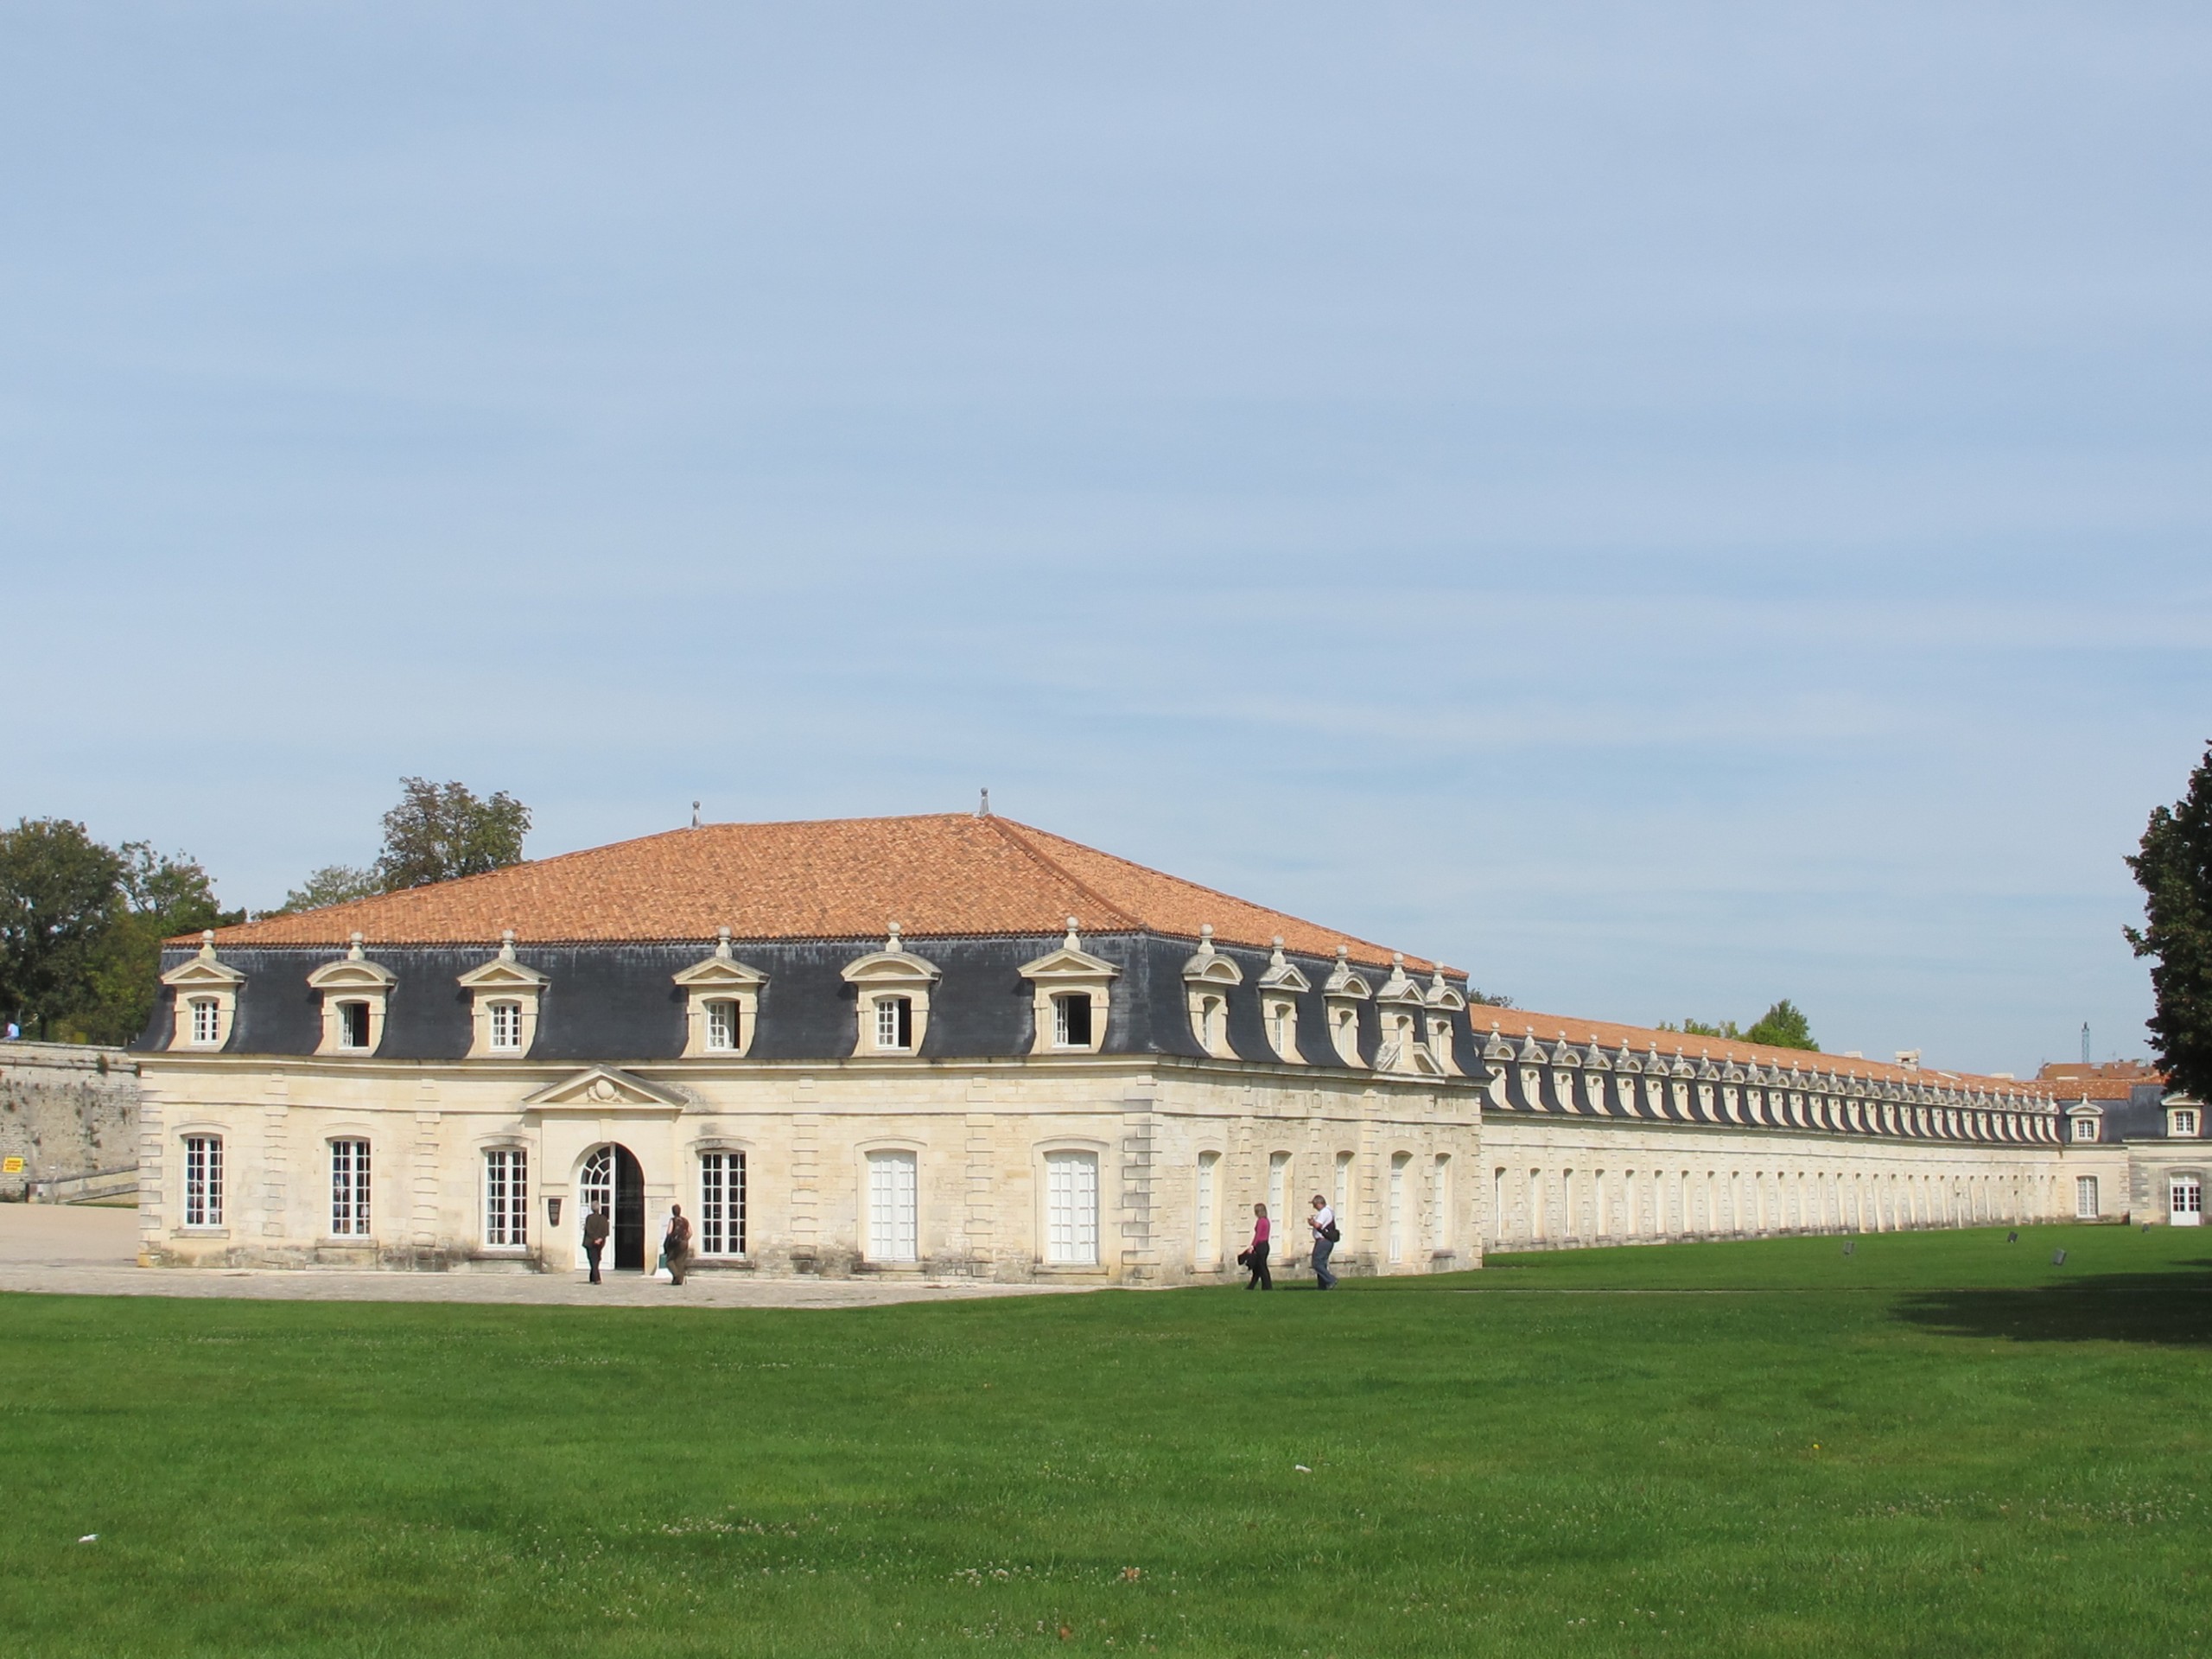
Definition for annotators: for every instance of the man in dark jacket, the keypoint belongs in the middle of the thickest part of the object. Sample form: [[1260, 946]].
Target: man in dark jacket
[[595, 1238]]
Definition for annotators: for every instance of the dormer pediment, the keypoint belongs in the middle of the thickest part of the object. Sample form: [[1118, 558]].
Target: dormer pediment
[[504, 973], [1069, 961], [1208, 966], [1283, 974], [353, 972], [892, 965], [1344, 979], [1399, 987], [203, 972], [601, 1088], [721, 971], [1444, 995]]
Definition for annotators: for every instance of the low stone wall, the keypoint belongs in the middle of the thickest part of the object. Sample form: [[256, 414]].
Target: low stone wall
[[65, 1108]]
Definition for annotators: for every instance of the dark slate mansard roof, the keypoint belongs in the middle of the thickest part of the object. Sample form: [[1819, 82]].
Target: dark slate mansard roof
[[618, 1003]]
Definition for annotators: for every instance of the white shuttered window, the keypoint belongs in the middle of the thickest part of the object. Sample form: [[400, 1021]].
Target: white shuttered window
[[893, 1234], [1072, 1208]]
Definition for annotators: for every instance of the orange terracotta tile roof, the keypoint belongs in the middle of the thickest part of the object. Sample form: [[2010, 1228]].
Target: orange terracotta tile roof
[[947, 874], [1514, 1024]]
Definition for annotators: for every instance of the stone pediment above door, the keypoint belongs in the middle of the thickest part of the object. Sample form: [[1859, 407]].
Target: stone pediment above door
[[607, 1088]]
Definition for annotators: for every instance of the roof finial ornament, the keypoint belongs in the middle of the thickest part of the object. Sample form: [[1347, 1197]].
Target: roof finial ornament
[[353, 952], [206, 944], [1276, 960], [1205, 938], [891, 945], [695, 815], [507, 945], [1071, 942], [983, 808], [722, 945]]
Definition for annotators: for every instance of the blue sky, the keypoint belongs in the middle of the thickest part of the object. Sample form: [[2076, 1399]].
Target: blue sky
[[1665, 508]]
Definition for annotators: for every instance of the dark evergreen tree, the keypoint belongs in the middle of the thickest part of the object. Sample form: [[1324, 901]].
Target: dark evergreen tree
[[2174, 869]]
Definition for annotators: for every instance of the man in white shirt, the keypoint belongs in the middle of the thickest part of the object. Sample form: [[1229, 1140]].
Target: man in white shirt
[[1323, 1221]]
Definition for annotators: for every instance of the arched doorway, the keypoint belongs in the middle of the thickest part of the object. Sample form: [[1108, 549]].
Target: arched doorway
[[613, 1177]]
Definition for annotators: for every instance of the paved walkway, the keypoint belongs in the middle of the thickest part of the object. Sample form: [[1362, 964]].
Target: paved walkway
[[68, 1250]]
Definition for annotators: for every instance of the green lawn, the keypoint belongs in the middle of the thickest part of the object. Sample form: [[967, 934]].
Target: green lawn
[[1940, 1444]]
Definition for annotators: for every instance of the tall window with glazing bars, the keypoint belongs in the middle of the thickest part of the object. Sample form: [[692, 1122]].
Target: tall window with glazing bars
[[507, 1197], [349, 1189], [721, 1203]]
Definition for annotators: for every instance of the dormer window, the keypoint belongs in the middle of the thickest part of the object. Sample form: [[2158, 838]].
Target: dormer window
[[204, 995], [1207, 978], [1071, 991], [895, 1023], [354, 992], [506, 995], [722, 998], [892, 998], [2085, 1130], [1210, 1024], [2182, 1121], [1344, 990], [1280, 986], [1071, 1019], [722, 1025]]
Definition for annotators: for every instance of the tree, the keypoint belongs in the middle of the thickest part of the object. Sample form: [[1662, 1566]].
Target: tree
[[334, 884], [58, 888], [1726, 1028], [439, 831], [157, 897], [1487, 999], [1782, 1026], [2174, 868]]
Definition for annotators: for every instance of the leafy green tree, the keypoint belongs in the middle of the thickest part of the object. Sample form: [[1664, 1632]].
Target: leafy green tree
[[1782, 1026], [334, 884], [2174, 868], [1726, 1028], [439, 831], [157, 897], [58, 887]]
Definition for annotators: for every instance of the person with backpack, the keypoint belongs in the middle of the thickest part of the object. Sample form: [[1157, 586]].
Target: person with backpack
[[1323, 1221], [677, 1246], [1255, 1255]]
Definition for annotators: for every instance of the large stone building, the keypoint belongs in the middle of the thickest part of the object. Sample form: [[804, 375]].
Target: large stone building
[[947, 1044], [957, 1044], [2135, 1148]]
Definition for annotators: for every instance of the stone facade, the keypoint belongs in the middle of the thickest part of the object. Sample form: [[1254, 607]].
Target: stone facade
[[66, 1111], [1181, 1149]]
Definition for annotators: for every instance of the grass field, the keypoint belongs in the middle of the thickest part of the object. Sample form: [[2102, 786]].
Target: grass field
[[1940, 1444]]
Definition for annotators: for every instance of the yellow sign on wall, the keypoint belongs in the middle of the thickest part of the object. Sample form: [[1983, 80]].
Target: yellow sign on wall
[[12, 1165]]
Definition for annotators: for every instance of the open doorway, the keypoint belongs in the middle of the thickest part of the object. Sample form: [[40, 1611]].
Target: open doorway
[[612, 1177]]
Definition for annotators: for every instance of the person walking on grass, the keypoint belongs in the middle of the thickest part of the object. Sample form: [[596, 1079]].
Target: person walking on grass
[[677, 1243], [595, 1238], [1323, 1221], [1256, 1256]]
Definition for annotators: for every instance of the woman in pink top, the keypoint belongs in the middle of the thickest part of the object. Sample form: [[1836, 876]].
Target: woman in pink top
[[1256, 1258]]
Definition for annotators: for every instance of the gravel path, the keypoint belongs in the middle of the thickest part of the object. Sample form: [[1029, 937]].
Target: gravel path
[[65, 1250]]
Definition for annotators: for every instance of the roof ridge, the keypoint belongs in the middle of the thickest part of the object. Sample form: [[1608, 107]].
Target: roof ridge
[[1010, 831], [1220, 894]]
